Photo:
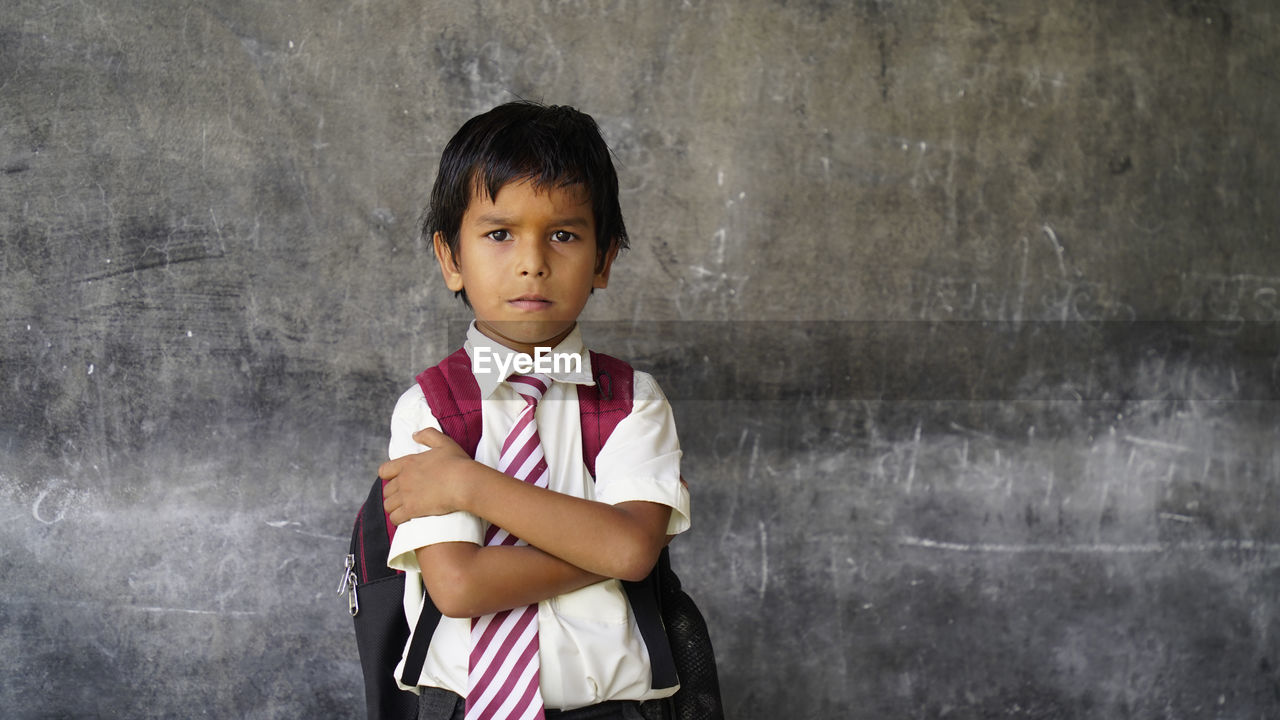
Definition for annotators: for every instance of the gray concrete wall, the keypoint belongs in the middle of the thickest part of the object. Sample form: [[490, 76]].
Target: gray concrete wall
[[969, 311]]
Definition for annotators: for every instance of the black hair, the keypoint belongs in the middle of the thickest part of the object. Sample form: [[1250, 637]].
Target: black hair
[[552, 146]]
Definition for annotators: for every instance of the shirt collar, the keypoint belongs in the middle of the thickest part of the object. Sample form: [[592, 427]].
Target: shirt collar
[[500, 356]]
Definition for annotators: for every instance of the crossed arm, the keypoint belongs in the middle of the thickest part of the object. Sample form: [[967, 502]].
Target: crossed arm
[[573, 542]]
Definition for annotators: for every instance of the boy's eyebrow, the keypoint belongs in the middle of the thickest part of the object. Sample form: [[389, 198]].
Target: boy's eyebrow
[[578, 221]]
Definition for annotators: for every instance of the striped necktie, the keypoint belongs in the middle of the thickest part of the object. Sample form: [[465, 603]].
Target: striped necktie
[[502, 673]]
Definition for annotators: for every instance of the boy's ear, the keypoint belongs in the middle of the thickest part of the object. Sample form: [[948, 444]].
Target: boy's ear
[[602, 269], [448, 263]]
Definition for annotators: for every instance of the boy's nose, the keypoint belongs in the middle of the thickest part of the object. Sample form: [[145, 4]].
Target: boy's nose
[[532, 260]]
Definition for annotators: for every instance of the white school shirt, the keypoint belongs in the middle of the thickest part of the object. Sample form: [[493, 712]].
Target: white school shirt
[[589, 646]]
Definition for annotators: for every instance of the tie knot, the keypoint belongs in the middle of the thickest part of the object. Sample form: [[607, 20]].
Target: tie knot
[[531, 386]]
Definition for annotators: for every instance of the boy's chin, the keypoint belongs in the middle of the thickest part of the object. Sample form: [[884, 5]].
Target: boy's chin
[[523, 334]]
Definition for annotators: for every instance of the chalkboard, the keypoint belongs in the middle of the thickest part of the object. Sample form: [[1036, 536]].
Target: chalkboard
[[968, 311]]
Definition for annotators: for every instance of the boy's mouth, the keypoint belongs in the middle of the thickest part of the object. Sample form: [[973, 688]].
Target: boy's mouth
[[530, 302]]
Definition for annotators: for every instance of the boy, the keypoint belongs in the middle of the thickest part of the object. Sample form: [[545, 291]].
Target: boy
[[525, 223]]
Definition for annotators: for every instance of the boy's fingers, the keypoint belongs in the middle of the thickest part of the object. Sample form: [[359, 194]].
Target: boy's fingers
[[428, 436], [389, 469]]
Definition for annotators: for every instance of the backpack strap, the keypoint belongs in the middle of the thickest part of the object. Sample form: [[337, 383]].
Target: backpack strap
[[454, 398], [603, 405], [454, 412]]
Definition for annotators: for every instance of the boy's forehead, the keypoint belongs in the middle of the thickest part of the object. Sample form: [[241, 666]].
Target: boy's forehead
[[562, 194]]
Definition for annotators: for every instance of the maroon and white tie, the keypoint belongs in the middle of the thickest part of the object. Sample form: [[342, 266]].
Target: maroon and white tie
[[502, 674]]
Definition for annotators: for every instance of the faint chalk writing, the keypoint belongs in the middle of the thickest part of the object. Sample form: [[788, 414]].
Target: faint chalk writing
[[296, 527], [581, 8], [1229, 299], [764, 559], [1094, 548], [1047, 289], [51, 502], [97, 607]]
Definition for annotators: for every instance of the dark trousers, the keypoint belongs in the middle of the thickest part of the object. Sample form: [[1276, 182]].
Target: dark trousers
[[437, 704]]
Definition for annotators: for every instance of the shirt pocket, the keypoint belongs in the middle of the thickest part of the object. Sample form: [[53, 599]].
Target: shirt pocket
[[605, 602]]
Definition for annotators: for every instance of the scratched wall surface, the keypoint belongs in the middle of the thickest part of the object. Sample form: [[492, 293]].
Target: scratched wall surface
[[970, 313]]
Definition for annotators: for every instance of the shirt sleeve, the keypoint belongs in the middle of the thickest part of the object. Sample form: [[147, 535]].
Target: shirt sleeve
[[412, 414], [641, 460]]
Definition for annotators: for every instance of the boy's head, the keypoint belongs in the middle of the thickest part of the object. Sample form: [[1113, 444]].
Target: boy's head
[[550, 146], [524, 213]]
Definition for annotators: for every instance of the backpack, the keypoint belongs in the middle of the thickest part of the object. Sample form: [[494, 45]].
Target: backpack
[[673, 629]]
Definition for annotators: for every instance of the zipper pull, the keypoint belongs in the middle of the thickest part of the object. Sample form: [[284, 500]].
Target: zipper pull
[[348, 586], [347, 574]]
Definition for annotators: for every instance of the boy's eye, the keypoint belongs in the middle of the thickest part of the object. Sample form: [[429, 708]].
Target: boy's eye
[[562, 236], [499, 235]]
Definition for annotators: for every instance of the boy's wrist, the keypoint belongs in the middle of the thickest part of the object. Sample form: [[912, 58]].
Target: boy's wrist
[[462, 484]]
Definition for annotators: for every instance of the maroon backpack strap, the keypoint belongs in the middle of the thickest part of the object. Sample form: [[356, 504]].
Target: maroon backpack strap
[[454, 398], [603, 405]]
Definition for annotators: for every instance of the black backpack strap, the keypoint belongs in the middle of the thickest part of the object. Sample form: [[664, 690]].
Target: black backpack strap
[[644, 597], [428, 619]]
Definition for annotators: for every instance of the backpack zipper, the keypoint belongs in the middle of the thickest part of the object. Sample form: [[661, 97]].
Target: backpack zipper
[[348, 585]]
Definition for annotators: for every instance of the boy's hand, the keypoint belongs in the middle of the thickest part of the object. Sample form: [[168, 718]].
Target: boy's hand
[[418, 485]]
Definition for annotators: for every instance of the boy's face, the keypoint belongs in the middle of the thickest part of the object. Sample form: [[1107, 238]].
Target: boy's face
[[527, 259]]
